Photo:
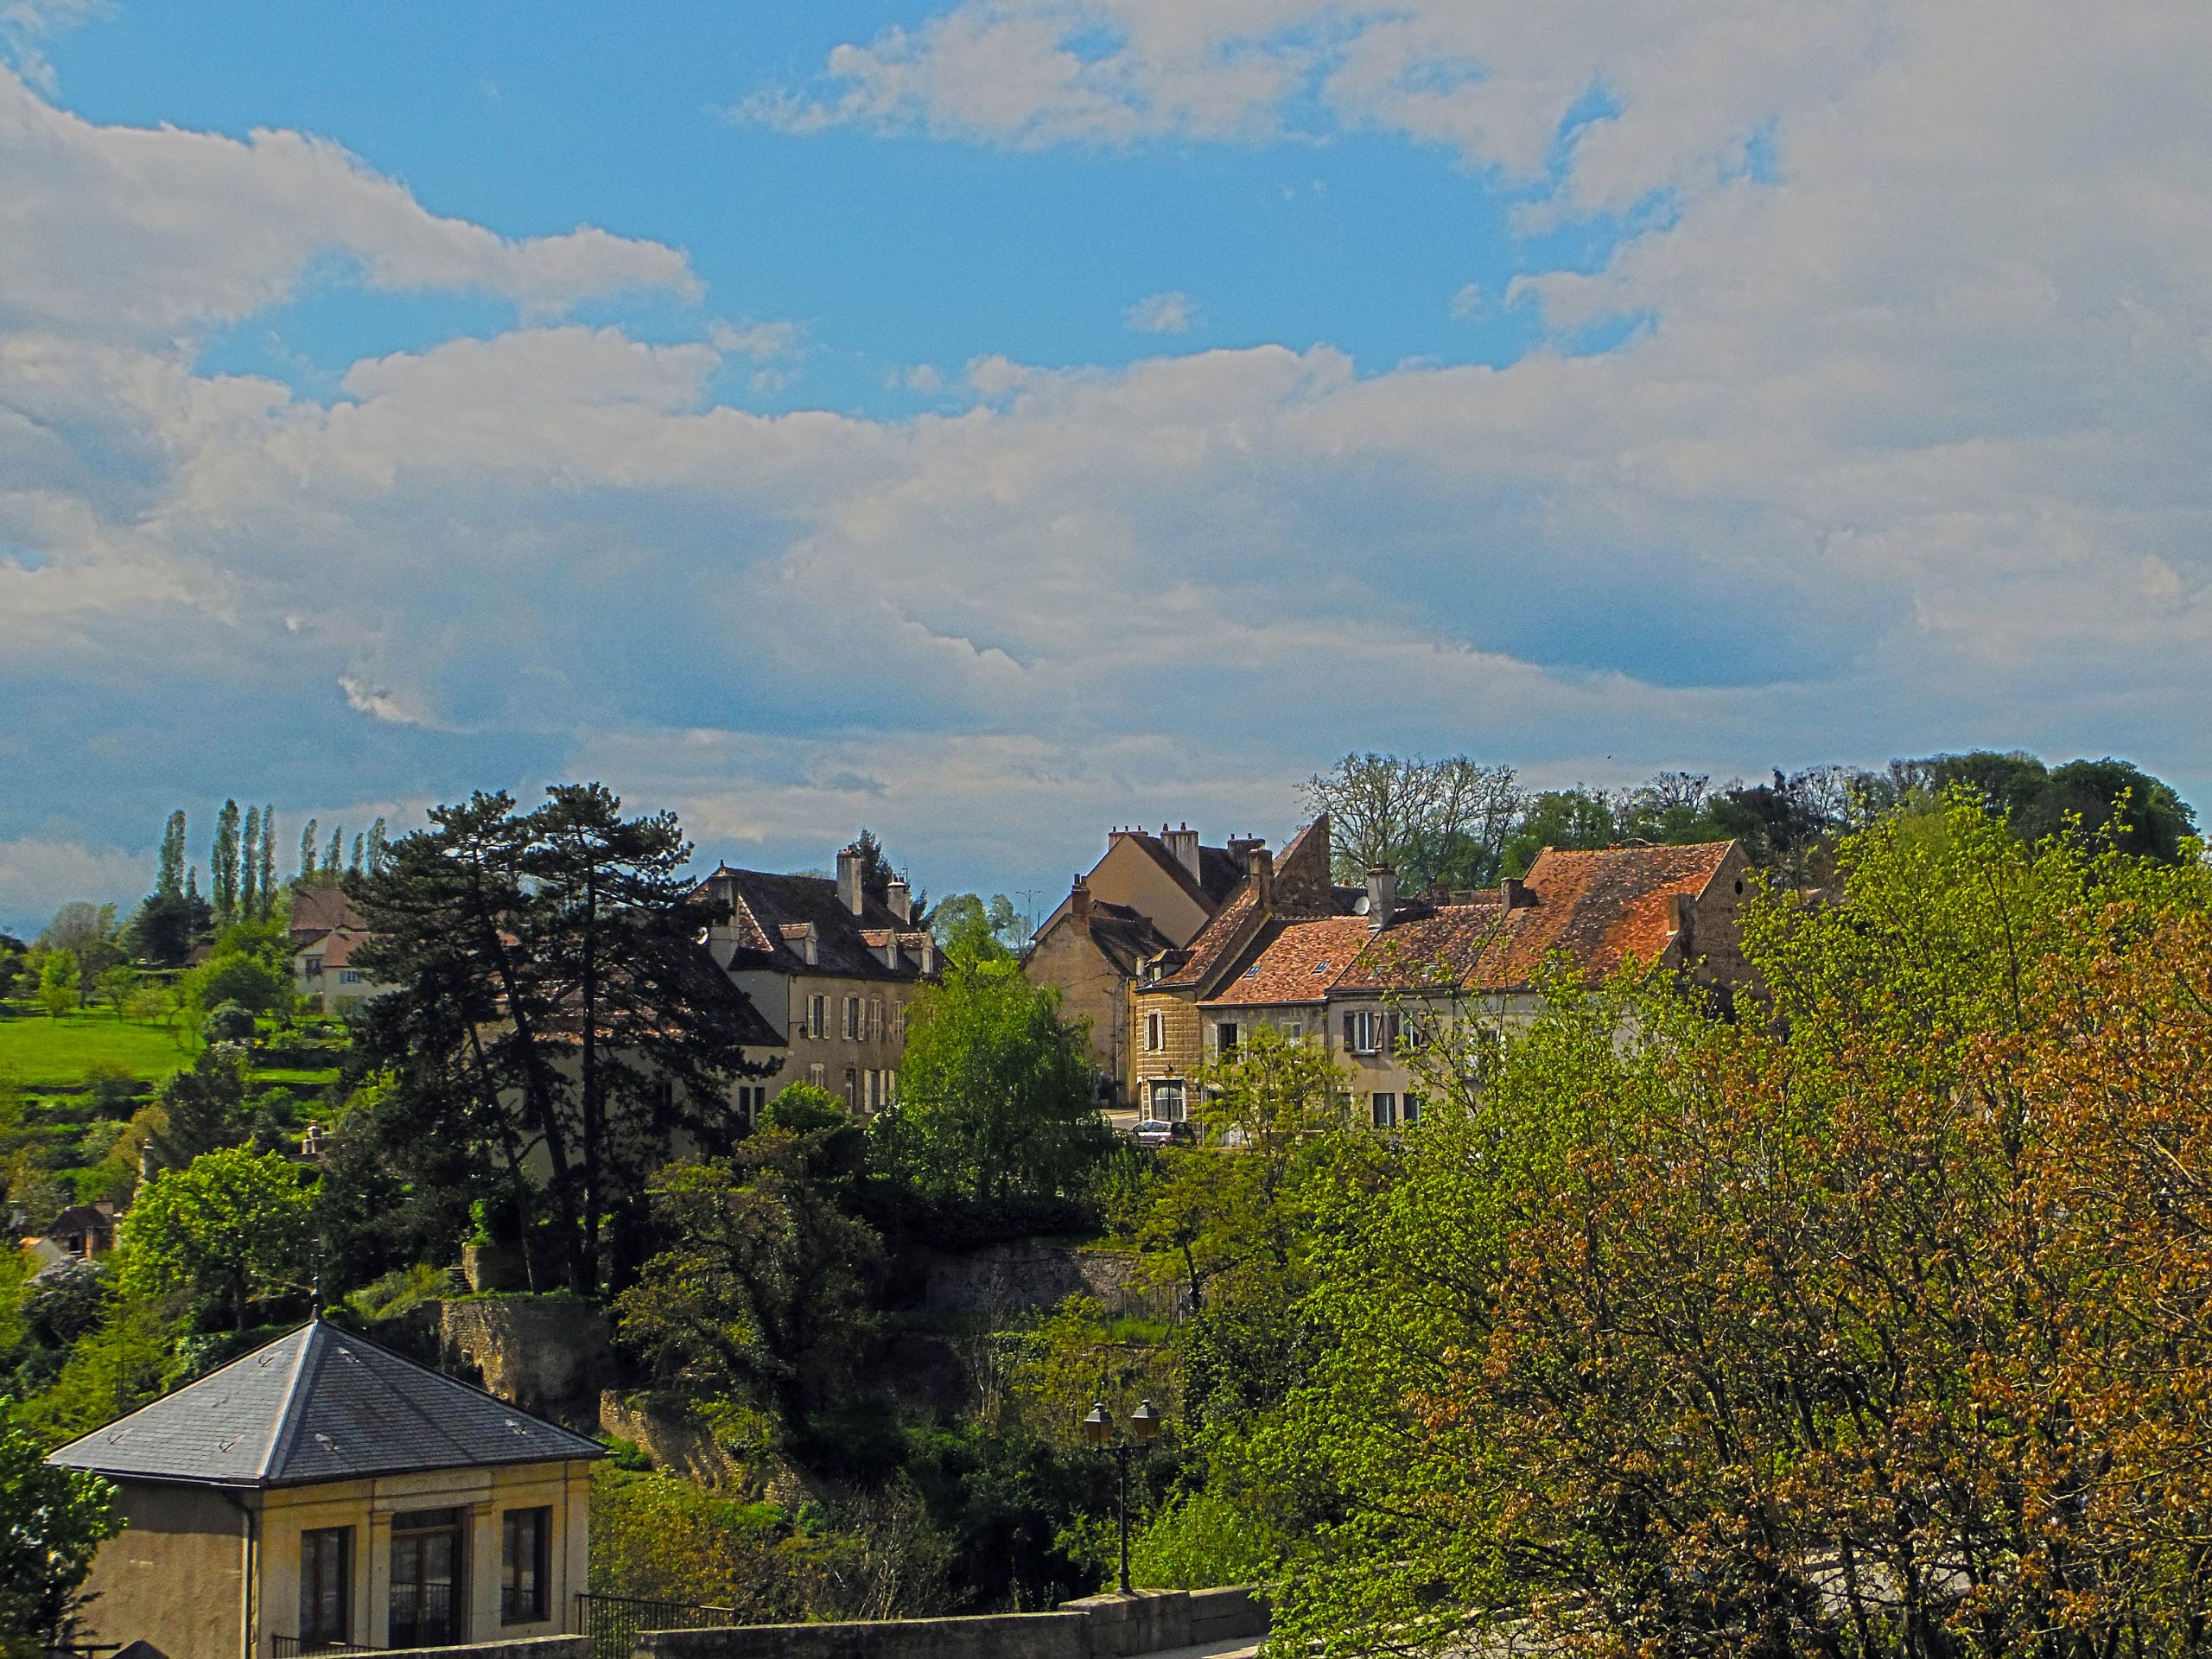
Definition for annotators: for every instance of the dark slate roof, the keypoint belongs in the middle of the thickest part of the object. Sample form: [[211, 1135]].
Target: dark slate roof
[[1125, 935], [317, 1404], [763, 906]]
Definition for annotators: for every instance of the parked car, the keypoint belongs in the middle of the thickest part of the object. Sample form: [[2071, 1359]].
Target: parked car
[[1154, 1132]]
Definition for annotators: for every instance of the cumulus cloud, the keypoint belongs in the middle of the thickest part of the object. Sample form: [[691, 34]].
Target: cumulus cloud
[[1170, 313], [756, 339], [39, 875], [1906, 450]]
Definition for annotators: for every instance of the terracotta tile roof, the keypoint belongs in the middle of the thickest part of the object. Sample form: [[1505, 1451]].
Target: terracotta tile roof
[[1601, 908], [1296, 962], [1427, 947], [1229, 928]]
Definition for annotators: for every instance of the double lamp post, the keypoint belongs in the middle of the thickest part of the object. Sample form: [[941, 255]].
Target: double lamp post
[[1144, 1428]]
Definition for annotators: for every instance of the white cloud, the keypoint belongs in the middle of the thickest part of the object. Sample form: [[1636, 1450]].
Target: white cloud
[[1468, 301], [27, 25], [755, 339], [39, 875], [1170, 313], [1906, 453]]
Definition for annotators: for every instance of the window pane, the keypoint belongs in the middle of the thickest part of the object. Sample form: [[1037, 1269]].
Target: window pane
[[523, 1544]]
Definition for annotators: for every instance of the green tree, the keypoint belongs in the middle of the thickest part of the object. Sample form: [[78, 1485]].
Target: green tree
[[61, 982], [1573, 820], [51, 1522], [250, 867], [554, 1000], [237, 976], [995, 1096], [267, 866], [229, 1225], [169, 882], [222, 867], [117, 982], [202, 1110], [1436, 822], [309, 870], [760, 1294], [88, 931]]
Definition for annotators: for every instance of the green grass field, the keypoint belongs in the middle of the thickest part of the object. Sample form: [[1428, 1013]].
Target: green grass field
[[54, 1053]]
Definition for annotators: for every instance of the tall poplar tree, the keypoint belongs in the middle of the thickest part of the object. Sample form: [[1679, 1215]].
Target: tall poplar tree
[[169, 883], [267, 863], [222, 867], [333, 855], [306, 852], [250, 868]]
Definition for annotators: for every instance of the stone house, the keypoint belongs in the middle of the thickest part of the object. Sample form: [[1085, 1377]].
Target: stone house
[[832, 968], [1147, 895], [1370, 985], [323, 1491], [1168, 1041]]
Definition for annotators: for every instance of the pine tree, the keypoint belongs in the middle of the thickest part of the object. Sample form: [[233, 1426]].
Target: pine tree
[[222, 867], [307, 853], [267, 863], [250, 868], [169, 884]]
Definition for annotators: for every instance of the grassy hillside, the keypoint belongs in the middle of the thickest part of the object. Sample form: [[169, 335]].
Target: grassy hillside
[[44, 1053]]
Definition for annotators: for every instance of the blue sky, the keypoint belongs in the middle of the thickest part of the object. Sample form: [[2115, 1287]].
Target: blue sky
[[995, 420]]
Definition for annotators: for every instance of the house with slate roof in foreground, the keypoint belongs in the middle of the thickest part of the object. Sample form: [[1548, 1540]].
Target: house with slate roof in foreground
[[323, 1491]]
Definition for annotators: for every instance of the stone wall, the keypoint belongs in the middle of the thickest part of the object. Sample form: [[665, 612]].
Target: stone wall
[[551, 1355], [1100, 1627], [1009, 1281]]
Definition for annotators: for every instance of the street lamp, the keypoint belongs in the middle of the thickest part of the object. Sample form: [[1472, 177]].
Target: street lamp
[[1144, 1428]]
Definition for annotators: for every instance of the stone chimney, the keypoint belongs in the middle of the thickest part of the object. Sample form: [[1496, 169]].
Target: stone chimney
[[1382, 896], [1682, 911], [1512, 893], [1183, 843], [848, 881], [1079, 904], [901, 899], [1260, 865]]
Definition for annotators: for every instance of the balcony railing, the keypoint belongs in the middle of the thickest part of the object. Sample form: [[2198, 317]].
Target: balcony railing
[[292, 1647], [613, 1622]]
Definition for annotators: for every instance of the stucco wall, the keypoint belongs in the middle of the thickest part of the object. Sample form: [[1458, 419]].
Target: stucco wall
[[174, 1575], [1090, 987], [1130, 875]]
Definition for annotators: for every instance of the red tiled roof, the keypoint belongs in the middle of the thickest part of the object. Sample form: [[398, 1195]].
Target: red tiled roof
[[1298, 962], [1601, 908], [1215, 941]]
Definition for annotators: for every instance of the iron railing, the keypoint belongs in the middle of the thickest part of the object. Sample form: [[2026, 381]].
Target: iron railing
[[293, 1647], [613, 1622]]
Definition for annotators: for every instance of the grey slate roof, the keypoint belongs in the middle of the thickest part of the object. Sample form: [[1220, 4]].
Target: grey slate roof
[[319, 1403]]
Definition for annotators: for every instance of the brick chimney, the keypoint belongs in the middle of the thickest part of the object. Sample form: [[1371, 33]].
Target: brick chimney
[[1382, 896], [848, 881], [901, 899], [1260, 865], [1079, 904]]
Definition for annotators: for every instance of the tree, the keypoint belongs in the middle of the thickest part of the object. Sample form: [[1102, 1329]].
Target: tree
[[268, 870], [222, 867], [995, 1090], [555, 1001], [971, 930], [334, 854], [116, 983], [1573, 820], [379, 847], [229, 1225], [59, 982], [250, 867], [168, 883], [51, 1522], [1873, 1328], [238, 976], [87, 932], [202, 1110], [1436, 822], [308, 868], [761, 1293]]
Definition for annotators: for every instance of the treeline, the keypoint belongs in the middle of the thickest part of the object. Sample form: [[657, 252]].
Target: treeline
[[242, 885], [1457, 824]]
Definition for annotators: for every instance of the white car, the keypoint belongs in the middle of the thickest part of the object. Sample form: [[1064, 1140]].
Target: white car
[[1154, 1132]]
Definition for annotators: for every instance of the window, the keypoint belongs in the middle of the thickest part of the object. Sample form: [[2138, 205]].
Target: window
[[817, 1017], [1293, 1030], [426, 1609], [523, 1535], [1386, 1110], [875, 1018], [326, 1587], [874, 1090], [815, 1074], [315, 967], [1412, 1107], [1167, 1099], [852, 1087], [1361, 1032], [348, 977], [1153, 1036], [1224, 1033], [852, 1025], [899, 1022]]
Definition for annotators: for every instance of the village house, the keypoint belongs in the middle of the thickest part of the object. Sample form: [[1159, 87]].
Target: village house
[[1168, 1041], [327, 930], [1372, 986], [80, 1233], [1147, 895], [833, 969], [323, 1491]]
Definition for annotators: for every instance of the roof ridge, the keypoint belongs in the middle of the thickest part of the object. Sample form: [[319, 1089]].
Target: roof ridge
[[286, 1427]]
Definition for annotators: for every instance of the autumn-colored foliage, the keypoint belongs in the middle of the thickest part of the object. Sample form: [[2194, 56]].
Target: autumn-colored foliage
[[1878, 1321]]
